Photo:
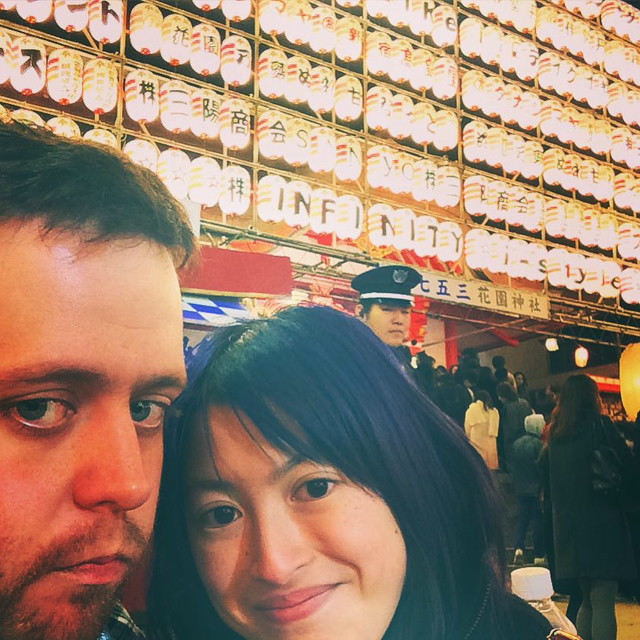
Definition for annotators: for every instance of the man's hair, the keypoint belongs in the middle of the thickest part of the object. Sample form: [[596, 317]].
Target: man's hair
[[367, 303], [506, 391], [82, 187], [343, 400], [498, 362]]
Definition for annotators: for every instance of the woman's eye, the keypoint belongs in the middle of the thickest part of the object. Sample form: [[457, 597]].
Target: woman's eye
[[219, 517], [147, 414], [314, 489], [40, 413]]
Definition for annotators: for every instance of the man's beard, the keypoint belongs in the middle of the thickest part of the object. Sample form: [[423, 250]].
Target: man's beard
[[91, 605]]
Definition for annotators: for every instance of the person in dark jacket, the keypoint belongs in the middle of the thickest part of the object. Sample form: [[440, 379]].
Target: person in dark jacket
[[590, 533], [512, 414]]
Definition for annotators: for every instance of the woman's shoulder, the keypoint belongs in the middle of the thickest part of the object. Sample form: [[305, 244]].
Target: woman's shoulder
[[519, 620]]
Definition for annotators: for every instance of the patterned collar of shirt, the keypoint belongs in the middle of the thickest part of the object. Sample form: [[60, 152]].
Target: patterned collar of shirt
[[121, 626]]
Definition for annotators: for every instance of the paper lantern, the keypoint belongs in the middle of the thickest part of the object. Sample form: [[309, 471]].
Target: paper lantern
[[508, 56], [527, 60], [296, 88], [491, 40], [145, 28], [535, 211], [423, 123], [604, 183], [349, 39], [400, 62], [235, 123], [101, 136], [517, 259], [175, 106], [630, 286], [64, 127], [236, 64], [270, 198], [296, 151], [528, 112], [494, 150], [598, 94], [349, 217], [493, 91], [175, 45], [474, 140], [471, 30], [71, 15], [272, 16], [64, 76], [378, 107], [379, 165], [141, 95], [143, 152], [404, 222], [399, 122], [206, 5], [426, 237], [271, 132], [629, 241], [322, 38], [474, 195], [581, 356], [557, 267], [419, 17], [608, 231], [34, 10], [475, 249], [28, 117], [236, 10], [445, 78], [497, 253], [321, 89], [423, 182], [272, 69], [348, 166], [531, 161], [7, 5], [497, 200], [610, 285], [235, 190], [205, 49], [348, 98], [297, 203], [617, 93], [297, 21], [5, 56], [574, 221], [472, 89], [622, 186], [204, 181], [593, 275], [397, 13], [420, 77], [516, 206], [173, 170], [378, 52], [448, 186], [631, 107], [509, 105], [401, 173], [568, 119], [106, 20], [380, 225], [552, 165], [630, 379], [550, 117], [205, 113], [322, 212], [445, 26], [100, 85], [377, 8], [446, 130], [28, 70], [570, 176], [620, 140], [322, 149]]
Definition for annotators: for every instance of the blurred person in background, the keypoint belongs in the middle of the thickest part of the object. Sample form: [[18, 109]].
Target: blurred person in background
[[481, 424]]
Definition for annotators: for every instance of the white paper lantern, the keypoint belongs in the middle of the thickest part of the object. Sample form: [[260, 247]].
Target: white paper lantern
[[491, 40], [173, 170], [28, 117], [378, 52], [630, 286], [421, 77], [446, 130], [400, 116], [205, 49], [175, 106], [296, 89], [445, 78], [236, 60], [472, 89], [378, 107], [474, 141], [106, 20], [535, 211], [322, 212], [423, 183], [552, 165], [493, 91], [322, 149], [272, 134], [349, 217], [608, 231], [528, 113], [64, 76], [322, 38], [449, 241], [400, 62], [516, 206], [236, 10], [297, 203], [348, 98], [404, 222], [348, 166], [235, 123], [474, 194], [206, 5], [29, 65], [100, 85], [380, 225], [296, 152], [141, 95], [34, 10], [419, 17], [321, 89], [445, 26], [497, 200], [423, 124], [617, 93], [401, 173], [272, 16], [378, 8], [379, 166], [471, 30], [297, 21], [555, 217], [145, 28], [475, 250], [610, 285], [101, 136], [205, 113], [175, 47], [64, 127], [270, 198], [272, 72], [143, 152], [204, 181], [510, 103], [349, 39], [494, 151], [598, 95], [426, 237], [629, 241], [235, 190], [71, 15], [448, 186]]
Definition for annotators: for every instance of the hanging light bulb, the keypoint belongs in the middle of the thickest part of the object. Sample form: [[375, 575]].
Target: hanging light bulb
[[551, 344], [581, 357]]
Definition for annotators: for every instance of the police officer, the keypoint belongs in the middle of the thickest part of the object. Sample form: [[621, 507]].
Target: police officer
[[385, 304]]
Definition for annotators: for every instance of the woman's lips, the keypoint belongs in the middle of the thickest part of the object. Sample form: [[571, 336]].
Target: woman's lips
[[296, 605]]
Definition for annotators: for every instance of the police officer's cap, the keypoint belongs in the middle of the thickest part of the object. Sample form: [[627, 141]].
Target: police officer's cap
[[387, 283]]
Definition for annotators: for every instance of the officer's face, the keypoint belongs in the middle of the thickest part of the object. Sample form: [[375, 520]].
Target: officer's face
[[389, 322]]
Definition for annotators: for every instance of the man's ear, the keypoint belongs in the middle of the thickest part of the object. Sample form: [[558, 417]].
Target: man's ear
[[360, 311]]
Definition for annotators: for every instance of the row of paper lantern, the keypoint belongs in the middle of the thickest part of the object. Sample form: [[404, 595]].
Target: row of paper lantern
[[519, 14], [518, 258], [622, 19], [588, 9], [500, 201]]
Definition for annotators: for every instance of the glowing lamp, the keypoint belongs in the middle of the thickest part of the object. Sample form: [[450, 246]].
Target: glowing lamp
[[474, 195], [269, 199], [348, 98], [71, 15], [399, 122], [494, 151], [236, 64], [175, 45], [297, 21], [400, 62], [516, 206], [34, 10], [471, 30], [557, 267], [509, 53], [272, 72], [349, 217], [497, 253], [630, 379], [448, 186], [497, 200], [296, 89], [551, 344], [322, 38], [552, 165], [446, 130], [141, 95], [28, 70], [528, 112], [623, 183], [236, 10], [581, 357], [100, 85], [235, 190], [142, 152], [401, 173], [378, 52], [271, 16], [423, 182], [493, 91], [423, 120], [491, 41], [64, 127], [420, 77], [101, 136], [297, 203], [475, 248], [474, 141], [271, 132], [205, 49], [322, 211], [527, 60], [380, 221], [106, 20], [173, 170], [349, 39], [555, 217], [145, 28], [445, 26], [64, 76], [445, 78], [378, 107], [322, 149], [204, 181], [205, 113], [348, 166], [426, 236], [404, 223], [296, 151], [379, 165], [322, 89], [617, 97], [472, 89], [550, 117], [175, 106], [532, 220], [235, 123]]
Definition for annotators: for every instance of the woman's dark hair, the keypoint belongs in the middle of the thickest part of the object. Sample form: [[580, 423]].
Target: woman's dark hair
[[319, 383], [578, 406], [485, 398], [506, 392]]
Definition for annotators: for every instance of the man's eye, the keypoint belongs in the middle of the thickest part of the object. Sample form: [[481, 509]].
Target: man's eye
[[147, 414], [314, 489], [40, 413], [219, 517]]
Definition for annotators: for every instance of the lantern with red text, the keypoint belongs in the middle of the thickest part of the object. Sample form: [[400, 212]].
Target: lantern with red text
[[100, 85], [516, 206], [474, 195], [236, 10], [297, 21], [348, 98], [323, 29], [272, 72], [535, 211], [348, 166], [34, 10], [235, 123], [630, 379], [205, 113], [557, 260], [106, 20], [101, 136], [235, 60], [399, 122], [378, 107], [474, 141], [271, 14], [64, 76], [321, 89], [29, 65], [629, 241], [145, 28], [296, 89], [235, 190], [143, 152], [445, 26], [349, 217], [270, 197], [400, 60], [204, 181], [379, 164], [349, 39], [141, 95], [175, 106], [71, 15], [322, 149], [272, 133], [175, 46], [378, 52], [445, 78], [421, 77], [205, 49]]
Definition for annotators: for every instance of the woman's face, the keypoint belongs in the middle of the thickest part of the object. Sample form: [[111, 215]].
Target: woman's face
[[285, 547]]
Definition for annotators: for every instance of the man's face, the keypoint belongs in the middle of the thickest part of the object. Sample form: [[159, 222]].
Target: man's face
[[389, 322], [90, 358]]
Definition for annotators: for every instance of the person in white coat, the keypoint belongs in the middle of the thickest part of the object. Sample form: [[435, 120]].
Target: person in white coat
[[481, 423]]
